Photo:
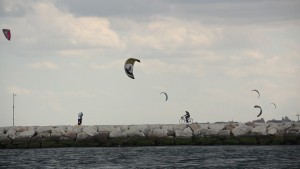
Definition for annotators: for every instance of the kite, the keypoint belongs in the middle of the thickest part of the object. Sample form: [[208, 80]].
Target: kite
[[257, 92], [166, 95], [274, 105], [129, 67], [256, 106], [6, 33]]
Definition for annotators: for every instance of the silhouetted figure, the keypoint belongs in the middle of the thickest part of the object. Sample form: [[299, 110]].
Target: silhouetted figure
[[187, 116], [80, 118]]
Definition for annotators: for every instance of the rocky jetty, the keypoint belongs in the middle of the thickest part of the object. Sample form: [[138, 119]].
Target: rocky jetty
[[150, 135]]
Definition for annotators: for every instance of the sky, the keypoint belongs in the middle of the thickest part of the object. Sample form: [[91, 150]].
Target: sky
[[66, 57]]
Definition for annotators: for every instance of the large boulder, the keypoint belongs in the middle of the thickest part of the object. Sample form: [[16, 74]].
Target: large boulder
[[203, 125], [154, 126], [134, 132], [108, 128], [272, 131], [180, 126], [203, 132], [259, 130], [294, 131], [4, 139], [44, 129], [78, 129], [55, 134], [168, 127], [217, 126], [102, 137], [26, 134], [241, 130], [141, 128], [186, 133], [194, 126], [230, 126], [158, 133], [83, 137], [224, 133], [69, 134], [11, 132], [90, 130], [117, 134], [1, 130]]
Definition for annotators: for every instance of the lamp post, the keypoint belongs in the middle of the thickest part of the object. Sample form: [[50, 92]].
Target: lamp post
[[298, 116], [14, 108]]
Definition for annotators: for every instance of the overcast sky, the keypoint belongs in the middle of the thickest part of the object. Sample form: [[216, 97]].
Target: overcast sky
[[68, 56]]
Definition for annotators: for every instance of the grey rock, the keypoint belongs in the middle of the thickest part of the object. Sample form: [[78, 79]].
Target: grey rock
[[272, 131], [30, 132], [188, 130], [90, 130], [109, 128], [154, 126], [168, 127], [77, 128], [44, 129], [230, 126], [206, 132], [11, 132], [141, 128], [102, 136], [58, 130], [194, 126], [180, 127], [70, 134], [294, 131], [183, 134], [224, 133], [1, 130], [241, 129], [219, 126], [117, 134], [259, 130], [203, 126], [4, 138], [83, 137], [134, 132], [158, 133], [20, 129], [56, 133]]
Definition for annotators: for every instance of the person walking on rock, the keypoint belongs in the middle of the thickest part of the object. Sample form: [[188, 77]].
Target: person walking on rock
[[80, 118]]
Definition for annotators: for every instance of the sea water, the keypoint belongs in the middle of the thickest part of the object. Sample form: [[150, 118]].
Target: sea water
[[154, 157]]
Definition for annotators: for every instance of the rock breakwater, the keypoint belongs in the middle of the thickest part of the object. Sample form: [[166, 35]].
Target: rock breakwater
[[150, 135]]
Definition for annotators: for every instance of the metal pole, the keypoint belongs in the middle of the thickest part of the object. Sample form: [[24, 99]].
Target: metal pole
[[298, 116], [14, 109]]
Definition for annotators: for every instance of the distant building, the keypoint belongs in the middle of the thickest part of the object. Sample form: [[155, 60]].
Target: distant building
[[262, 120], [283, 120]]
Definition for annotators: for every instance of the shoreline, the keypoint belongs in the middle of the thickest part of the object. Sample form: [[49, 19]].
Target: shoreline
[[230, 133]]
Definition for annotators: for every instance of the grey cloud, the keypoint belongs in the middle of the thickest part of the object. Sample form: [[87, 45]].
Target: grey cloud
[[14, 9], [206, 11]]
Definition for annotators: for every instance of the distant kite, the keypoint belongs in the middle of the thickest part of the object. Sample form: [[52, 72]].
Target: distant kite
[[128, 66], [165, 95], [256, 106], [257, 92], [274, 105], [6, 33]]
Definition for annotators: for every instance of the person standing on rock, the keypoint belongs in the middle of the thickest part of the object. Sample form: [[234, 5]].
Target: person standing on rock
[[80, 118]]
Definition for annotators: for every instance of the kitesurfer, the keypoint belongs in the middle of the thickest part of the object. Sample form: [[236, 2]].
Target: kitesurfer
[[80, 118]]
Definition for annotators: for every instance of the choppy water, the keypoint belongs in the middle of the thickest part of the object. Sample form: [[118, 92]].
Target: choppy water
[[154, 157]]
